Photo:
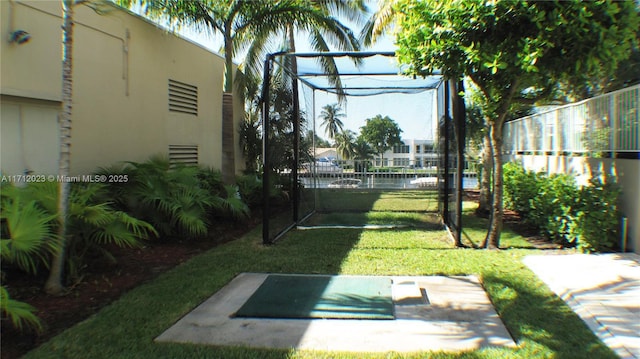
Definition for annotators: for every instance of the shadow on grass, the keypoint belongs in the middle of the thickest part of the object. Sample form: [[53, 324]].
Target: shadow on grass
[[542, 318], [474, 230]]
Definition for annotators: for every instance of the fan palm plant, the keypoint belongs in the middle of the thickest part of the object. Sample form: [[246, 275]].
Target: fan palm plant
[[28, 241], [179, 201], [92, 221], [28, 237], [171, 199]]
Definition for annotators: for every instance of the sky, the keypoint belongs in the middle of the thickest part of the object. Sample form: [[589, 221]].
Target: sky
[[413, 113]]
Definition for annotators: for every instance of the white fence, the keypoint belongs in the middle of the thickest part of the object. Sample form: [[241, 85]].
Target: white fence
[[606, 124]]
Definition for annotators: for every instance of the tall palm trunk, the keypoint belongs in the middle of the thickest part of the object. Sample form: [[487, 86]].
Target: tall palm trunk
[[296, 119], [228, 133], [54, 282]]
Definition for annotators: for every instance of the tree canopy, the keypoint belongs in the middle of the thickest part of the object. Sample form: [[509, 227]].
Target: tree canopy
[[514, 52], [381, 133]]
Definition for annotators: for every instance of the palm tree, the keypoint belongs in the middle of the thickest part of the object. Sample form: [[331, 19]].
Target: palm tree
[[330, 116], [362, 153], [54, 282], [345, 144]]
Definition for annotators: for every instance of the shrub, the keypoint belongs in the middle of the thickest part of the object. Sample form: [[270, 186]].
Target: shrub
[[520, 188], [92, 221], [180, 201], [226, 200], [586, 217], [250, 189], [553, 209], [172, 200], [597, 220]]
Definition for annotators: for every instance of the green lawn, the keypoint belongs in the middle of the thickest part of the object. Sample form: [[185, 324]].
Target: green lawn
[[539, 321]]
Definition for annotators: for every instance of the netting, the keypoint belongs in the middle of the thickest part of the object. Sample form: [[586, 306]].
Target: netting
[[300, 179]]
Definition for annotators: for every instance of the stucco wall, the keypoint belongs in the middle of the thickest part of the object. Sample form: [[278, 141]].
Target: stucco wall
[[122, 65], [627, 172]]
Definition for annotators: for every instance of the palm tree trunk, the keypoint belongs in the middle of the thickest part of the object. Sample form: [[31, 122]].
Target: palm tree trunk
[[228, 142], [54, 284], [296, 123]]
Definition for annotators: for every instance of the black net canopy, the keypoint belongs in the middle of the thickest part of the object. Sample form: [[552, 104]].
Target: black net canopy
[[290, 176], [360, 74]]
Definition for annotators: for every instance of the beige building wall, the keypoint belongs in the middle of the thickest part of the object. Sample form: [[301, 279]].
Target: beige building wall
[[122, 68]]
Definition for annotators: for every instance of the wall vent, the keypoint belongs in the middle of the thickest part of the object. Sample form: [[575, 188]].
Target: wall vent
[[183, 155], [183, 98]]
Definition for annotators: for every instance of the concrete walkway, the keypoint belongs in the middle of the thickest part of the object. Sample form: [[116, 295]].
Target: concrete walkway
[[603, 289], [456, 315]]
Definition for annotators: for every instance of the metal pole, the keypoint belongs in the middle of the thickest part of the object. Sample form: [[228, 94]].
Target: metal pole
[[296, 143], [447, 185], [266, 163], [460, 119]]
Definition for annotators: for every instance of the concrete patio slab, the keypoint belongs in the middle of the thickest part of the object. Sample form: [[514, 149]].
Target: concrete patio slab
[[455, 315], [603, 289]]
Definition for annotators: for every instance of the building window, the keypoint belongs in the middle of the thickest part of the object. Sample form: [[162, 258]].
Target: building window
[[401, 149], [418, 148], [400, 162], [183, 155], [183, 98]]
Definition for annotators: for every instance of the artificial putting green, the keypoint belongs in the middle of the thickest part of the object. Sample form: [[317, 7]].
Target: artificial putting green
[[320, 296]]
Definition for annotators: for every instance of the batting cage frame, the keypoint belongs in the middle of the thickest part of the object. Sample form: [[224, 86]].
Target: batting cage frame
[[286, 201]]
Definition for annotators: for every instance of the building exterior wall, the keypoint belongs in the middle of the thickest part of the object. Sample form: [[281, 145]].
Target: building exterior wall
[[627, 172], [121, 72], [416, 153]]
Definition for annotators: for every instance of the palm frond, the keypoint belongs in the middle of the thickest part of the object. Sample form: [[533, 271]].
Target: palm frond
[[232, 204], [31, 238], [328, 64], [21, 314], [379, 23]]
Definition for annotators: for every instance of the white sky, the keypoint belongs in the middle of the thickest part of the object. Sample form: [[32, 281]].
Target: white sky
[[413, 112]]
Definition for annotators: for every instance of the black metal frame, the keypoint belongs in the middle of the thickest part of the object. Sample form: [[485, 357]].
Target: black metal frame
[[446, 187]]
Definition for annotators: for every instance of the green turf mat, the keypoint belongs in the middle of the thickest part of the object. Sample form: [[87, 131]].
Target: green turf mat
[[320, 296]]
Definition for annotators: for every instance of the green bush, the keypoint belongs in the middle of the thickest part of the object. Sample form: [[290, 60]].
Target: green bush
[[250, 188], [179, 201], [597, 220], [520, 188], [553, 208], [586, 217]]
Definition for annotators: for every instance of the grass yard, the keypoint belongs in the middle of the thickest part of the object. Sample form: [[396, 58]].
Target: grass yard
[[538, 320]]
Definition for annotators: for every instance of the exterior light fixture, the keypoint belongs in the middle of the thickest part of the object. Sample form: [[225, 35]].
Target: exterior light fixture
[[19, 37]]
